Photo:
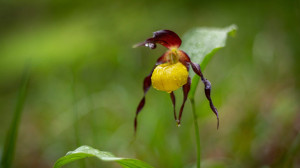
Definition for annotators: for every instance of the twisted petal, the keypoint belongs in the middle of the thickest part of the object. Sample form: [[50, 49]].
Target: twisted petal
[[146, 86], [184, 59], [207, 89], [162, 59], [166, 38], [174, 104], [186, 89]]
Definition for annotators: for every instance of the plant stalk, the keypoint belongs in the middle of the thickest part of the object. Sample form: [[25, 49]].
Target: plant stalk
[[197, 135]]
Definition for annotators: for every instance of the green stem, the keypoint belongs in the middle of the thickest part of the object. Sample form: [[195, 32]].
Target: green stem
[[197, 135]]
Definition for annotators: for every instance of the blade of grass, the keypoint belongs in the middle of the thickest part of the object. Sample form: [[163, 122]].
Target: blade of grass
[[12, 134]]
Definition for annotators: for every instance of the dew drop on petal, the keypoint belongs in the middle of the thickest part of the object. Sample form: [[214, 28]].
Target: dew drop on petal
[[152, 45]]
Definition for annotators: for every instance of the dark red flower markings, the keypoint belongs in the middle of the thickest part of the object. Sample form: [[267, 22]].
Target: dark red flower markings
[[172, 96], [172, 41], [166, 38], [146, 86], [207, 89], [186, 89]]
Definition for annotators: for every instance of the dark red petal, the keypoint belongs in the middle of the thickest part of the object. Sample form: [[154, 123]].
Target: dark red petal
[[146, 86], [174, 104], [186, 90], [162, 59], [207, 89], [166, 38], [184, 59]]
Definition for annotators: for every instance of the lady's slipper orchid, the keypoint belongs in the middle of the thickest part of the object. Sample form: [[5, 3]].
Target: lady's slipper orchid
[[171, 72]]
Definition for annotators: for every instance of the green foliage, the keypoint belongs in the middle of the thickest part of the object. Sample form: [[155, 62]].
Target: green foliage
[[12, 134], [86, 151], [255, 82], [201, 44]]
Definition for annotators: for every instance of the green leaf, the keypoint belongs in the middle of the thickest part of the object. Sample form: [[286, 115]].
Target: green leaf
[[201, 44], [87, 151]]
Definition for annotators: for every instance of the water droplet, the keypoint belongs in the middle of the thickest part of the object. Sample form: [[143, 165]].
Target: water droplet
[[152, 45], [178, 123]]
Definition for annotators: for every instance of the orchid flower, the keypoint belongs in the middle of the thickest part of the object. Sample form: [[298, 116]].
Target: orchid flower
[[171, 72]]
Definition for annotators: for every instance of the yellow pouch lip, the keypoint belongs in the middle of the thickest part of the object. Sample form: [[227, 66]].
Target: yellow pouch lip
[[169, 77]]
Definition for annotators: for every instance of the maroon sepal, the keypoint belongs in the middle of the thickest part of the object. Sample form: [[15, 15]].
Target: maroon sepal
[[172, 96], [207, 88], [166, 38], [162, 59], [186, 89], [184, 59], [146, 86]]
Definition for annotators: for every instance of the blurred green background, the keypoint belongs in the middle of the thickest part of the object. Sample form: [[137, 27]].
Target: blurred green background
[[83, 67]]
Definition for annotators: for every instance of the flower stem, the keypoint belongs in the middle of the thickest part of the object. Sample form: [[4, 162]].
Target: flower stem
[[197, 135]]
